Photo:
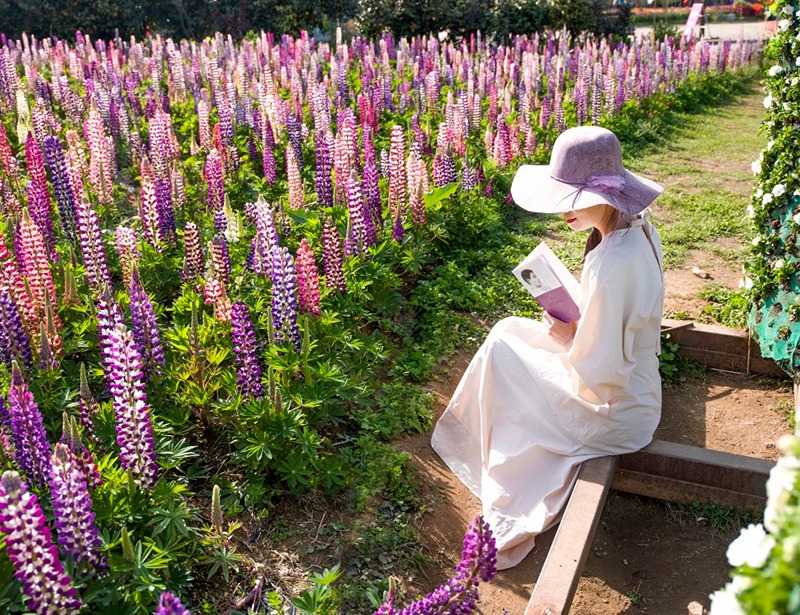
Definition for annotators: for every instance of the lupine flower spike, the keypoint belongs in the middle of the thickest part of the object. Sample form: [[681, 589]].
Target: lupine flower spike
[[169, 604], [30, 547], [245, 347], [27, 428]]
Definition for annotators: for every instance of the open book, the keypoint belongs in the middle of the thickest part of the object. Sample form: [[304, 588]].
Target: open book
[[550, 282]]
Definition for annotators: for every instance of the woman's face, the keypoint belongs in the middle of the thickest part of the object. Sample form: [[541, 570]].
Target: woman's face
[[596, 216]]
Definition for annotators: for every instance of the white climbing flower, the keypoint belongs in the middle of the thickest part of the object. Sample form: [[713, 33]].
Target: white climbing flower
[[796, 218], [786, 106], [788, 9], [775, 70], [746, 283], [767, 198], [756, 167], [784, 24], [751, 211], [724, 602], [780, 485], [779, 190], [770, 144], [795, 80], [768, 102], [752, 547], [778, 264], [758, 193], [756, 240]]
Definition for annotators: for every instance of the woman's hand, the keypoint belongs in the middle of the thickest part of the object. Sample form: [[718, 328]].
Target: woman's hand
[[560, 331]]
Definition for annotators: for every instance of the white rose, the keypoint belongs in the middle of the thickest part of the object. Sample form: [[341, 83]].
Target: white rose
[[779, 190], [784, 24], [775, 70], [756, 167], [752, 547], [758, 193], [724, 602], [767, 198], [768, 102]]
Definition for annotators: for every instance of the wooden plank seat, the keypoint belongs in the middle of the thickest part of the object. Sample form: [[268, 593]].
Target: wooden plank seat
[[664, 470]]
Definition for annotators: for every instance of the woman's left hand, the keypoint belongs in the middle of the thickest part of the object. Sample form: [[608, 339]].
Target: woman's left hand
[[560, 331]]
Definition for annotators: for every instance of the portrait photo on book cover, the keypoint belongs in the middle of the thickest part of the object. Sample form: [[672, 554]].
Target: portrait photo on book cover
[[538, 277]]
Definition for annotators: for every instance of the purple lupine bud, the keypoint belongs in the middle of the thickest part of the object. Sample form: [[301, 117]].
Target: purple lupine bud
[[30, 548], [88, 408], [132, 414], [145, 327], [356, 240], [193, 263], [324, 166], [220, 259], [72, 508], [14, 342], [468, 180], [295, 135], [38, 194], [398, 230], [245, 348], [169, 604], [284, 297], [27, 429], [332, 256], [268, 155], [62, 187], [372, 194], [166, 216]]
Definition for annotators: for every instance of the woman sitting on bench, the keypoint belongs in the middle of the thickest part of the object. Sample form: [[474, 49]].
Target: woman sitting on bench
[[539, 398]]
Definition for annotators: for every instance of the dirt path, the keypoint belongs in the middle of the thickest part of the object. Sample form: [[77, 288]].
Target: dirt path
[[648, 556]]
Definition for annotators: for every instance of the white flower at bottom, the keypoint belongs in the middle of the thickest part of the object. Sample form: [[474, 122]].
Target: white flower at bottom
[[779, 190], [724, 602], [780, 484], [775, 70], [767, 198], [756, 240], [784, 24], [796, 218], [768, 102], [752, 547], [746, 283], [756, 166]]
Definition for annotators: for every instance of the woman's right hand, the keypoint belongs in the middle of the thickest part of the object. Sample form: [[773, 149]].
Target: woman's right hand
[[559, 331]]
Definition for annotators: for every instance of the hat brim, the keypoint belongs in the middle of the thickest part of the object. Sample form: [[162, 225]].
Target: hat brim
[[535, 190]]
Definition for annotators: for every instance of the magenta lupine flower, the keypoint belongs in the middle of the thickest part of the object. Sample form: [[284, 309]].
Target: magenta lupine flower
[[307, 279], [169, 604], [324, 166], [7, 159], [501, 151], [559, 123], [72, 508], [193, 262], [397, 172], [30, 547], [145, 327], [62, 187], [38, 193], [27, 429], [284, 297], [133, 422], [294, 180], [460, 593], [356, 240], [14, 342], [245, 348], [468, 179], [216, 295], [127, 250], [215, 180], [372, 194], [332, 256], [220, 259], [92, 247]]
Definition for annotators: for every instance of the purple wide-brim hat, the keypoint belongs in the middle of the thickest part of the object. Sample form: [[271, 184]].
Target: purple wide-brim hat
[[585, 169]]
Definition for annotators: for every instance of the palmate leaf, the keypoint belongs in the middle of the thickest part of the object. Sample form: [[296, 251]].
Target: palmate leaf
[[437, 195]]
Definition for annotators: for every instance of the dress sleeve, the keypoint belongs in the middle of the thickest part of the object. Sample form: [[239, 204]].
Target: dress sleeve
[[601, 355]]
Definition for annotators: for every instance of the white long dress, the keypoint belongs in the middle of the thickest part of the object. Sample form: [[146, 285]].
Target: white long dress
[[528, 411]]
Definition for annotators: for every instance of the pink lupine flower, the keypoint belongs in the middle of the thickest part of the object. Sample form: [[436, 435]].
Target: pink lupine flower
[[332, 256], [397, 172], [217, 296], [294, 180], [127, 250], [30, 548], [307, 279]]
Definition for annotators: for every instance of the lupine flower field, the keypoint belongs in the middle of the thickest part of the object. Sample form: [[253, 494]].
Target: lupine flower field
[[207, 254]]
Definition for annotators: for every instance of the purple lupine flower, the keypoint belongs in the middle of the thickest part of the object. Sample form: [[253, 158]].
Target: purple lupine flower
[[398, 230], [332, 256], [460, 593], [268, 155], [193, 263], [92, 247], [324, 166], [27, 428], [245, 348], [88, 408], [108, 316], [265, 239], [30, 548], [294, 132], [360, 227], [215, 180], [220, 259], [71, 437], [169, 604], [54, 155], [284, 297], [166, 216], [72, 508], [134, 426], [14, 342], [38, 194], [145, 327]]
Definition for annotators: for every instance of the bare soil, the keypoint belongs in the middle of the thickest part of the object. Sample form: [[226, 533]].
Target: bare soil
[[648, 556]]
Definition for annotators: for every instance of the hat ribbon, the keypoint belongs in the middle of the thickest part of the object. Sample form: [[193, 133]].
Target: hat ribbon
[[611, 185]]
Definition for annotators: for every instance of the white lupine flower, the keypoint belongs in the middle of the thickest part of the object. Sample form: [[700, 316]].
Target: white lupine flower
[[756, 166], [778, 264], [724, 602], [775, 70], [784, 24], [796, 218], [768, 102], [751, 211], [752, 547], [779, 190], [767, 198]]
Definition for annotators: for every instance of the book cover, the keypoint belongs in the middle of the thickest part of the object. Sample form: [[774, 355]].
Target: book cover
[[550, 283]]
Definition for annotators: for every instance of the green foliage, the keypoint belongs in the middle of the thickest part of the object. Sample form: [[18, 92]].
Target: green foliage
[[672, 367], [729, 307]]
